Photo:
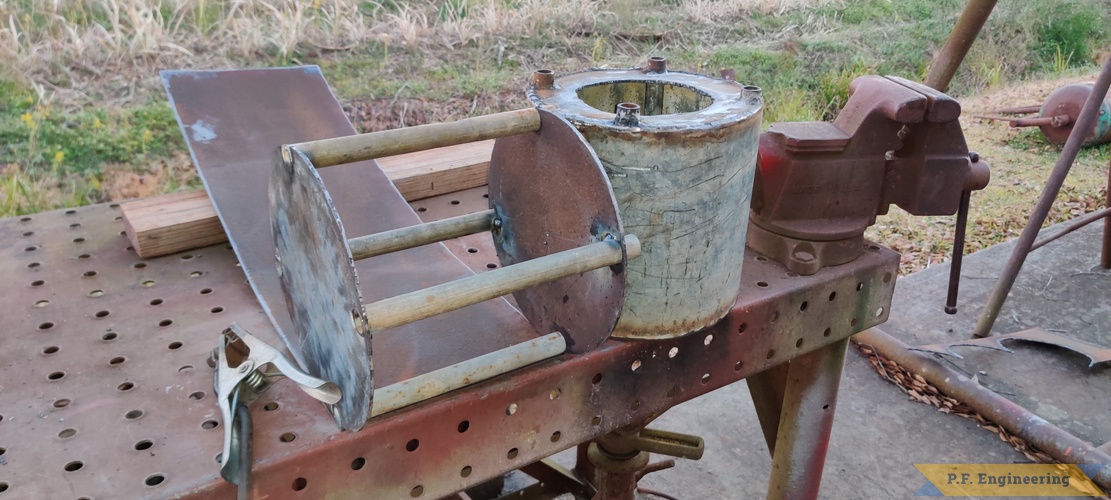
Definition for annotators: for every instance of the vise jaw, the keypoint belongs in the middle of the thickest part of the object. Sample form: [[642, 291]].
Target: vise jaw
[[819, 185]]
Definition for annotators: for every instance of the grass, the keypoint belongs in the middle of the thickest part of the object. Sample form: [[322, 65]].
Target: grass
[[83, 118]]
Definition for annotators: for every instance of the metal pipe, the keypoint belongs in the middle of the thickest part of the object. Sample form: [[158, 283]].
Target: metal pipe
[[413, 306], [949, 57], [1052, 121], [1073, 225], [1084, 122], [1019, 421], [809, 402], [465, 373], [352, 148], [403, 238]]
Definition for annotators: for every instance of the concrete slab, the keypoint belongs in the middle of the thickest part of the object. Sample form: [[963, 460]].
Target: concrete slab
[[880, 433]]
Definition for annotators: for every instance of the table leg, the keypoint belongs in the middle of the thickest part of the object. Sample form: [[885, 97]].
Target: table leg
[[766, 389]]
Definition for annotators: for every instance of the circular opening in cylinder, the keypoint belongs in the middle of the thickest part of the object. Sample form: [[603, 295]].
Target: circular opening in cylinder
[[653, 97]]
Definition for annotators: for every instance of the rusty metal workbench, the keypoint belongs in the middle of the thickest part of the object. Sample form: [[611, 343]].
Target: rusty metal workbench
[[105, 390]]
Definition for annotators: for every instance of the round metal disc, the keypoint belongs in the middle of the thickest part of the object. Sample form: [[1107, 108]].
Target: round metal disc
[[1066, 100], [320, 286], [551, 193]]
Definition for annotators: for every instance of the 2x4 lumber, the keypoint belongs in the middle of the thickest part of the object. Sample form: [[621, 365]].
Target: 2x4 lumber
[[177, 222]]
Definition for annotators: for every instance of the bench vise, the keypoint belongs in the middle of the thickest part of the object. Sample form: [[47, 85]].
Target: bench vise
[[819, 185]]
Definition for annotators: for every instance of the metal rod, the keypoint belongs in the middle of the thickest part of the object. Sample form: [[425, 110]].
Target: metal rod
[[1073, 225], [809, 402], [1084, 123], [403, 238], [1020, 110], [1053, 121], [1105, 255], [465, 373], [413, 306], [1019, 421], [958, 253], [352, 148], [949, 57]]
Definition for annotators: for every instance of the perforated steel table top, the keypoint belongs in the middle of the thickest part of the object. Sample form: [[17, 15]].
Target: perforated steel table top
[[105, 391]]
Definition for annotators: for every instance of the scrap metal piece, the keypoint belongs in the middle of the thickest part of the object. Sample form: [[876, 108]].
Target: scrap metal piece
[[550, 195], [1096, 354], [1058, 114], [245, 368]]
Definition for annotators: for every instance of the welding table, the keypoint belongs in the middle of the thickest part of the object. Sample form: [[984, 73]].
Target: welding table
[[105, 390]]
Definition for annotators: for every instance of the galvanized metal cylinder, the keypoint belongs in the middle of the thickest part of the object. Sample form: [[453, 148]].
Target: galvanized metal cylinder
[[680, 151]]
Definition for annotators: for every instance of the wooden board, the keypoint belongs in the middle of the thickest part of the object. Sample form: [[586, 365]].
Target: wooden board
[[177, 222]]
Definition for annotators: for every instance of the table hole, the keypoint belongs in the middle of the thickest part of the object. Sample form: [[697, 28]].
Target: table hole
[[166, 322], [46, 326], [825, 407], [465, 471], [554, 395], [61, 403], [798, 343], [886, 277], [210, 424], [762, 284], [143, 445], [147, 283], [596, 421], [463, 426], [287, 437], [154, 480], [635, 405], [358, 463], [36, 264], [511, 409], [674, 351], [50, 349], [832, 295], [139, 265], [708, 339], [187, 256], [186, 368], [110, 336], [124, 387], [597, 379], [827, 332], [417, 491], [771, 354], [71, 212], [79, 240], [31, 248], [472, 250], [206, 291], [195, 274], [133, 414], [853, 322], [175, 345], [802, 306], [775, 316], [42, 303], [879, 312], [67, 433], [705, 378], [216, 310], [454, 202], [199, 395], [219, 457], [672, 391], [555, 436], [512, 454], [859, 286], [761, 258], [56, 375], [102, 314], [737, 367], [491, 266], [96, 293], [412, 445], [742, 328], [74, 466], [271, 406], [636, 365], [28, 233], [300, 484], [422, 209], [38, 283], [155, 302], [117, 360]]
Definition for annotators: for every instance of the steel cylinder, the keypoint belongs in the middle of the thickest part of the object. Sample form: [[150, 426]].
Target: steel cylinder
[[1067, 101], [680, 152]]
